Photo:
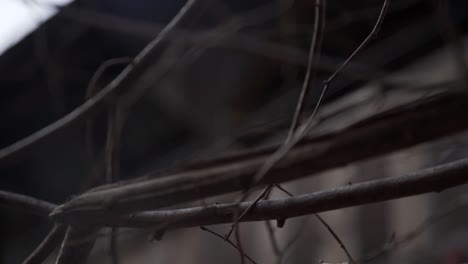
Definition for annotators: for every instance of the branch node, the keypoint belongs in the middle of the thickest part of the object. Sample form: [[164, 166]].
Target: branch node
[[158, 235], [280, 223]]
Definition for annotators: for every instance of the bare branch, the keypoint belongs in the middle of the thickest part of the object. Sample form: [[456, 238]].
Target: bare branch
[[73, 250], [276, 156], [287, 249], [92, 89], [434, 179], [26, 203], [229, 242], [129, 75], [329, 229], [388, 131], [309, 71], [372, 34], [49, 244], [112, 164], [239, 244], [77, 245], [302, 131], [336, 237]]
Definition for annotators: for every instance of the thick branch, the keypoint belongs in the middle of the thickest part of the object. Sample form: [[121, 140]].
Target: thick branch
[[26, 203], [434, 179], [429, 180], [402, 127]]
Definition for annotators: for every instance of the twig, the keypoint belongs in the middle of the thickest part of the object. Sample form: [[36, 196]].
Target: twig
[[77, 244], [91, 90], [275, 157], [372, 34], [292, 241], [272, 238], [239, 245], [112, 148], [239, 41], [228, 241], [281, 188], [435, 179], [70, 252], [308, 76], [26, 203], [304, 129], [114, 127], [47, 246], [238, 219], [337, 238], [330, 230], [119, 84]]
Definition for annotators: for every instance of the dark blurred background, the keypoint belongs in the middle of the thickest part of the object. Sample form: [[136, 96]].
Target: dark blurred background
[[231, 67]]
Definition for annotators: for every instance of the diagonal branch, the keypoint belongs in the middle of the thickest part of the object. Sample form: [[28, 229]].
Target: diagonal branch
[[119, 85], [26, 203], [77, 245], [79, 240], [47, 246]]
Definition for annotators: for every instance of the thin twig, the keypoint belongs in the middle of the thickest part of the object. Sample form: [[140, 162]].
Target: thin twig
[[286, 250], [452, 207], [281, 188], [272, 238], [237, 220], [301, 132], [77, 244], [275, 157], [308, 76], [239, 245], [47, 246], [114, 127], [228, 241], [330, 230], [336, 237], [112, 152], [91, 90], [80, 252], [112, 148], [372, 34]]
